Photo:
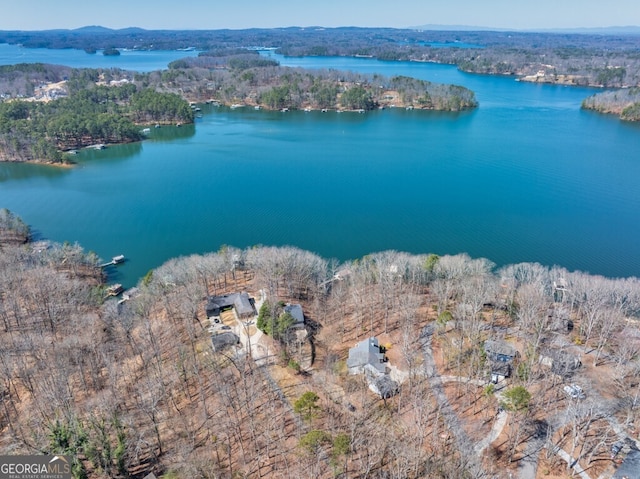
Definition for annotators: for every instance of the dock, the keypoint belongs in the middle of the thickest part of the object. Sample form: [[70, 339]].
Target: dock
[[115, 260], [114, 290]]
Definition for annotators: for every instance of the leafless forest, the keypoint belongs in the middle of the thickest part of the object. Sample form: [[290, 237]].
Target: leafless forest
[[132, 387]]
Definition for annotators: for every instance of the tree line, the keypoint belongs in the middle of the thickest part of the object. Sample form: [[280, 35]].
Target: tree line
[[248, 78], [625, 103]]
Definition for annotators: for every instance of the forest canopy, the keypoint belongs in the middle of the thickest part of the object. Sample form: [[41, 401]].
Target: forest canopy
[[624, 103], [229, 77], [91, 114]]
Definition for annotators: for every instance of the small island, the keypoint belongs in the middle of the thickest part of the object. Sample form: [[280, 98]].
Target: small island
[[111, 52]]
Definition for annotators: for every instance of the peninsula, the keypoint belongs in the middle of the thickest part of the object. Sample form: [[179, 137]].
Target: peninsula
[[48, 110], [90, 108]]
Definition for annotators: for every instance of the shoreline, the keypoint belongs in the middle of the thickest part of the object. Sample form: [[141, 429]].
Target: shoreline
[[55, 164], [68, 163]]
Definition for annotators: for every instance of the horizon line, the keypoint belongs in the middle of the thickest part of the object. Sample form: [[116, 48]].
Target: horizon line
[[426, 27]]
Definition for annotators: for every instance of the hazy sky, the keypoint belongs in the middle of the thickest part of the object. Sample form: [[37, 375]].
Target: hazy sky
[[214, 14]]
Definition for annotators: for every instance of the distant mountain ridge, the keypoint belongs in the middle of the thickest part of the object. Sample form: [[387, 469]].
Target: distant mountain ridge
[[101, 29]]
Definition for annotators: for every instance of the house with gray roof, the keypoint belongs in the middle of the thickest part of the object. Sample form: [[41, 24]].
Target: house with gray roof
[[366, 352], [241, 302], [224, 340], [500, 355], [295, 310], [562, 362], [500, 351], [368, 357]]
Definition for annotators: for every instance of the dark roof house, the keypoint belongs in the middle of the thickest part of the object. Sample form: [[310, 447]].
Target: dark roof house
[[240, 301], [500, 356], [295, 310], [500, 371], [500, 351], [224, 340], [384, 386], [366, 352]]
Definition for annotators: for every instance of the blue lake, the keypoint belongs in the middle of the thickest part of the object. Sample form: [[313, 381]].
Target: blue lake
[[528, 176], [137, 60]]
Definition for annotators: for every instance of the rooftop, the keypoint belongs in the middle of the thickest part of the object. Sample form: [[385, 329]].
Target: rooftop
[[366, 352], [499, 350], [630, 468], [295, 310], [240, 301]]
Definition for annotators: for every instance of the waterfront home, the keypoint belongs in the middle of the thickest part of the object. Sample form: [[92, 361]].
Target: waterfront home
[[367, 352], [295, 310], [241, 302], [500, 351], [367, 357], [500, 356]]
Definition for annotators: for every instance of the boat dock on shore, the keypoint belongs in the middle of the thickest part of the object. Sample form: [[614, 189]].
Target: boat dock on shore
[[115, 260]]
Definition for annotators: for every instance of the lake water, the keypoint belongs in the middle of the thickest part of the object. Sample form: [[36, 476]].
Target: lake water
[[527, 176], [137, 60]]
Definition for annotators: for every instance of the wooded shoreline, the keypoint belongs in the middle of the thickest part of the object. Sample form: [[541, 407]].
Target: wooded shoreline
[[148, 385], [109, 106]]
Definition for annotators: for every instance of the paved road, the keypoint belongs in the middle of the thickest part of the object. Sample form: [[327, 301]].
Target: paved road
[[528, 465], [496, 429]]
